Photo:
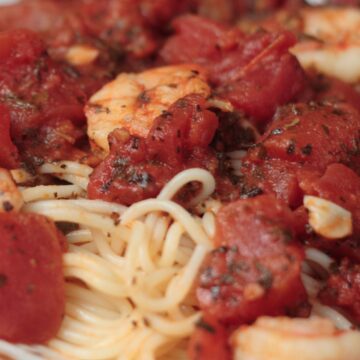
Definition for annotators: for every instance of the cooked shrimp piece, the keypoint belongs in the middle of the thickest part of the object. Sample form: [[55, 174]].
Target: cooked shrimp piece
[[133, 101], [284, 338], [333, 45], [10, 196]]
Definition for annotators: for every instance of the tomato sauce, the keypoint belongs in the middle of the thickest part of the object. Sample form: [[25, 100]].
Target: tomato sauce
[[299, 132], [9, 156]]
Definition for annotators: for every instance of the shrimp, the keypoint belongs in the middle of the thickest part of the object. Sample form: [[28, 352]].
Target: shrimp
[[332, 44], [10, 196], [284, 338], [133, 101]]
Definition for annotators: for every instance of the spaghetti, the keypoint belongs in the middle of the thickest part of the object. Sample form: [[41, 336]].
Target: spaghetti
[[129, 271]]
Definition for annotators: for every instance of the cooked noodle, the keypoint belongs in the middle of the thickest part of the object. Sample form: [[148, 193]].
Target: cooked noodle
[[130, 271]]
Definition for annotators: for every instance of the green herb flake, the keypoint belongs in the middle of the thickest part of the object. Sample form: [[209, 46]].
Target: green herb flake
[[205, 326], [291, 124]]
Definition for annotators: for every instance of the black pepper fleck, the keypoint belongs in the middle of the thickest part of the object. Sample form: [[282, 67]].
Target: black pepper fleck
[[266, 278], [204, 325], [290, 149], [307, 150], [7, 206], [3, 280]]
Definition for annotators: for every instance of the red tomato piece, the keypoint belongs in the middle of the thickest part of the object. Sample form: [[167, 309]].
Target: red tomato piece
[[56, 140], [255, 72], [119, 23], [298, 146], [256, 271], [158, 13], [124, 33], [32, 298], [138, 168], [315, 135], [272, 176], [9, 155], [328, 89], [36, 90], [209, 341], [190, 32], [343, 289], [272, 78]]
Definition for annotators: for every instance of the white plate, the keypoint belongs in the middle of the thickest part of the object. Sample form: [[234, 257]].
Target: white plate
[[8, 2]]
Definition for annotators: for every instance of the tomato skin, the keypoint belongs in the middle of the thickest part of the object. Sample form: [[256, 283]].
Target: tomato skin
[[256, 269], [209, 341], [138, 168], [32, 298], [9, 155]]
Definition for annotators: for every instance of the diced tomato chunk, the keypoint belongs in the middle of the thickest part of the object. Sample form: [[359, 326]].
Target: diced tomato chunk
[[272, 78], [314, 134], [138, 168], [272, 176], [190, 31], [298, 146], [32, 298], [36, 90], [256, 271], [255, 72]]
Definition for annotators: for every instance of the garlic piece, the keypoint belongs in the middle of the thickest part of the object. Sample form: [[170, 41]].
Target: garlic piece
[[327, 218], [78, 55]]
